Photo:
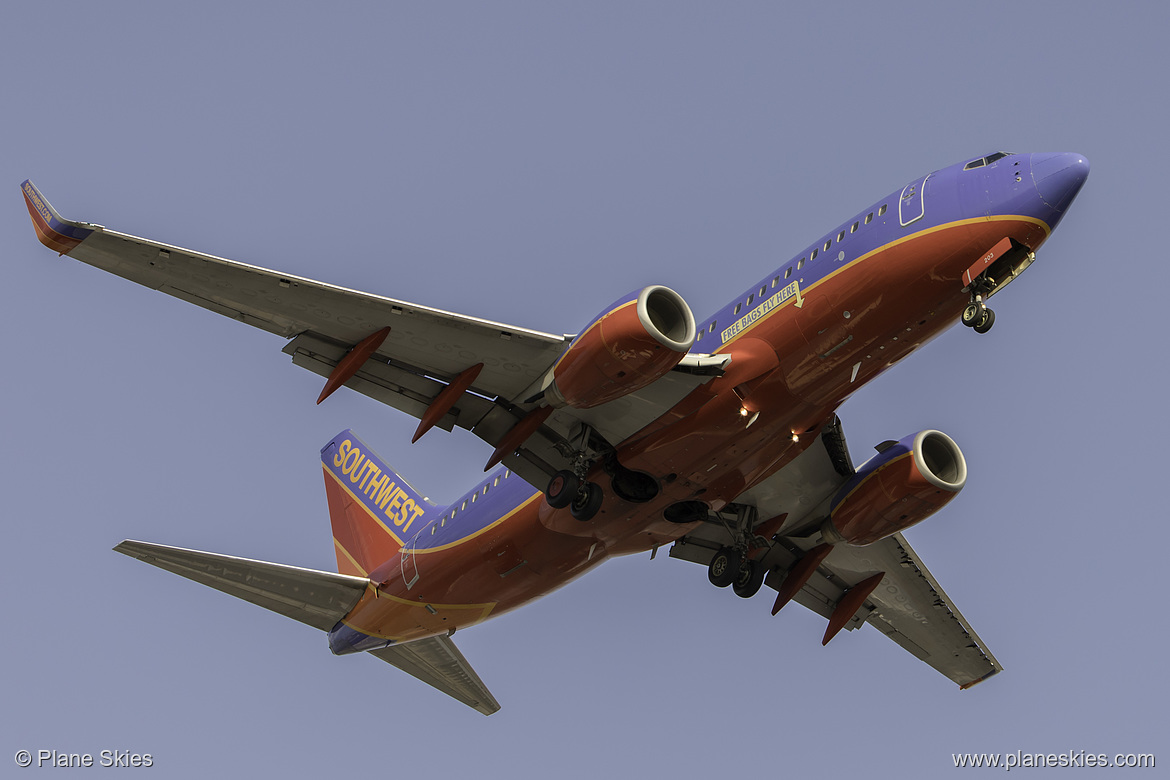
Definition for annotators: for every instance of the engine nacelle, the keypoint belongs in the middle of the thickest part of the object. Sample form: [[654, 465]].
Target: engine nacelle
[[901, 486], [634, 342]]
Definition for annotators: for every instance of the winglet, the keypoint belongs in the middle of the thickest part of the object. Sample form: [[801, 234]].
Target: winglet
[[55, 232]]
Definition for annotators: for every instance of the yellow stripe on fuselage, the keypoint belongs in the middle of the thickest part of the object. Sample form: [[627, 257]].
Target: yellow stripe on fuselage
[[804, 292], [480, 532]]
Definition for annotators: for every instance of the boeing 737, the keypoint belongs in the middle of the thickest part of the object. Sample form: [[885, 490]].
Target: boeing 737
[[718, 437]]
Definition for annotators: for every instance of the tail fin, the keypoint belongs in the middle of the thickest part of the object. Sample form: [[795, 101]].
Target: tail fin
[[373, 511]]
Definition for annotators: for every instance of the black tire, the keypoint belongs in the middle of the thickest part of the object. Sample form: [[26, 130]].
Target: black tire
[[972, 315], [749, 579], [724, 567], [587, 501], [986, 323], [561, 490]]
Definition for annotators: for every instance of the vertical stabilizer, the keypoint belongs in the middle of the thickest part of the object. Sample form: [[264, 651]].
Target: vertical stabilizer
[[373, 510]]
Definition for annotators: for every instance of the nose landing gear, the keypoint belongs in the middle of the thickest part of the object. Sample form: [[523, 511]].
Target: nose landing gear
[[977, 316]]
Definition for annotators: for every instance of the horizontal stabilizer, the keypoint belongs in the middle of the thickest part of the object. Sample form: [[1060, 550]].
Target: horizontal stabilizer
[[438, 663], [316, 598]]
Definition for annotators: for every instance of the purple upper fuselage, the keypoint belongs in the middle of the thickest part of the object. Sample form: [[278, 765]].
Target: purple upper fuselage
[[1038, 185]]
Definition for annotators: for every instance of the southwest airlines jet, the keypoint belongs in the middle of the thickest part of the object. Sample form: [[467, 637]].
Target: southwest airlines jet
[[718, 437]]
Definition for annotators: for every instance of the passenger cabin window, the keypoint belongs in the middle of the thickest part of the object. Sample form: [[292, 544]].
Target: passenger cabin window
[[814, 257], [763, 291], [854, 228], [750, 299], [712, 328], [788, 271], [828, 244], [738, 307], [869, 218], [841, 236], [882, 210], [801, 263]]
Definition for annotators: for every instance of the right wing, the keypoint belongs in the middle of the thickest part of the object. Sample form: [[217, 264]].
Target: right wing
[[909, 606], [425, 350]]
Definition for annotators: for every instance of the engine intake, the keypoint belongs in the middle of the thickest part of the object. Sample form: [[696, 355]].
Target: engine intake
[[901, 486], [634, 342]]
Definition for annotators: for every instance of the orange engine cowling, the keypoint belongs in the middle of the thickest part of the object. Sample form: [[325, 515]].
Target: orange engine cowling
[[636, 341], [903, 485]]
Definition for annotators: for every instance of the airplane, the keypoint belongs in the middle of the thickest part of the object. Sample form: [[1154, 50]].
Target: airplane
[[717, 437]]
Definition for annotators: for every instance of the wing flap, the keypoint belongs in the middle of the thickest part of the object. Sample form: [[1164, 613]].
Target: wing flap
[[316, 598], [438, 663], [407, 389], [911, 608]]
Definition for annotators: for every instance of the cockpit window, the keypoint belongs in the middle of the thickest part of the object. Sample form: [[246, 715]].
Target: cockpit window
[[988, 160]]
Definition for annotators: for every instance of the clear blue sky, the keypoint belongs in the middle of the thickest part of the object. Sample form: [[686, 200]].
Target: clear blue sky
[[530, 162]]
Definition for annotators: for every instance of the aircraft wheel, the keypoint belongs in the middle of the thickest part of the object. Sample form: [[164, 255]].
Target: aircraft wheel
[[724, 567], [561, 490], [985, 324], [972, 315], [587, 501], [748, 579]]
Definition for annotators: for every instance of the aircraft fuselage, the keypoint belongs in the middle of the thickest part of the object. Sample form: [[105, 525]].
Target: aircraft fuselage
[[802, 340]]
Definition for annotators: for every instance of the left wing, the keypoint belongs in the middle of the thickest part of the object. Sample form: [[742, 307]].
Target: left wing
[[425, 351], [909, 606]]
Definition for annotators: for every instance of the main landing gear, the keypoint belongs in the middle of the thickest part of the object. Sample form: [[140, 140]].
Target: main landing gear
[[977, 316], [570, 488], [583, 498], [733, 565]]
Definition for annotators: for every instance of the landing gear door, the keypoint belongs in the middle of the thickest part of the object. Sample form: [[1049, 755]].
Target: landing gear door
[[912, 206]]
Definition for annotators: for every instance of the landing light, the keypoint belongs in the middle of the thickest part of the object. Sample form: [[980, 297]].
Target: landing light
[[743, 412], [795, 437]]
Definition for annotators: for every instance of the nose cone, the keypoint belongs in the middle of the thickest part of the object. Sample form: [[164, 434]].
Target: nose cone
[[1059, 177]]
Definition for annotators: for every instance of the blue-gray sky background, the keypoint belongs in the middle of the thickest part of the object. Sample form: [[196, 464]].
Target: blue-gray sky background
[[529, 163]]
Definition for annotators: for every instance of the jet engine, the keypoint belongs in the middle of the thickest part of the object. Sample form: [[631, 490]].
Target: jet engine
[[905, 483], [634, 342]]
